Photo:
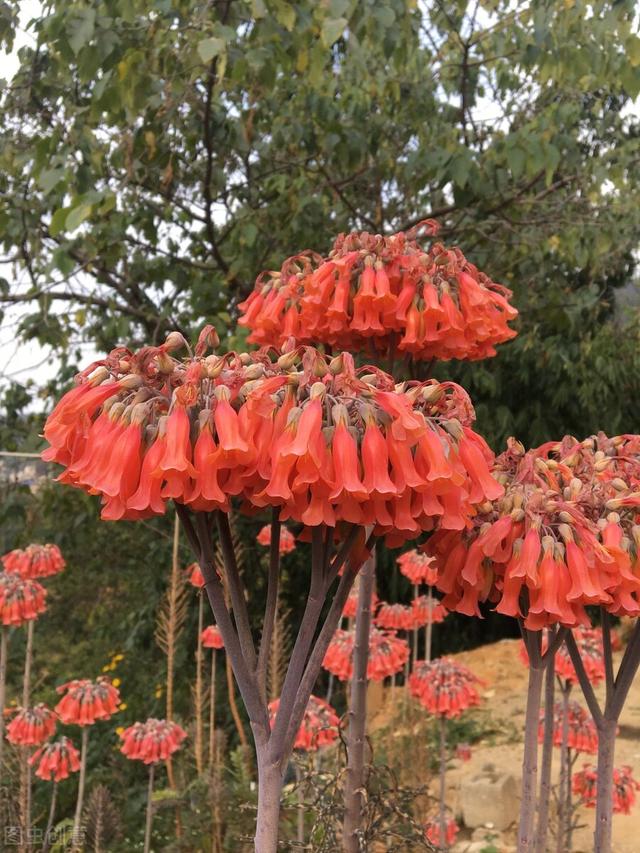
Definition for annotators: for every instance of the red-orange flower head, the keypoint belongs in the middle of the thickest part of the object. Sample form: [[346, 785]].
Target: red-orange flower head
[[432, 833], [589, 643], [324, 442], [418, 567], [463, 752], [387, 654], [86, 701], [31, 726], [351, 607], [428, 303], [56, 760], [582, 733], [427, 610], [395, 617], [195, 576], [585, 785], [544, 542], [21, 599], [287, 539], [319, 726], [211, 638], [152, 741], [34, 561], [444, 687]]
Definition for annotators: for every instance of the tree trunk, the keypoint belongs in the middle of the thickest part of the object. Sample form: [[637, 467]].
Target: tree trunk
[[354, 782], [530, 761], [604, 803], [547, 757], [149, 820], [270, 781]]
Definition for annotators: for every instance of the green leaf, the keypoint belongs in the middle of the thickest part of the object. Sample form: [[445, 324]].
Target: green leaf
[[208, 48], [332, 29], [58, 221], [81, 29], [286, 15], [258, 8], [516, 158], [49, 179], [77, 216]]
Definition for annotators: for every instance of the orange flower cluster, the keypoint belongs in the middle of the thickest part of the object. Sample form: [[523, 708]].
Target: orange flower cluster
[[287, 539], [35, 561], [21, 599], [418, 567], [151, 741], [388, 293], [31, 726], [351, 607], [86, 701], [589, 643], [319, 726], [211, 638], [56, 760], [387, 654], [395, 617], [583, 735], [426, 610], [563, 536], [432, 833], [323, 441], [445, 688], [585, 785]]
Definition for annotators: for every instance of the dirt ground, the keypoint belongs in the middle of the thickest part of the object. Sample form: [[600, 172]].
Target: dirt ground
[[502, 715]]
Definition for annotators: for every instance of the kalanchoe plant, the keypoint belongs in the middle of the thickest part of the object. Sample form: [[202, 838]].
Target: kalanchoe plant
[[347, 453], [151, 742], [446, 689], [211, 638], [54, 761], [585, 785], [420, 569], [83, 703], [561, 538]]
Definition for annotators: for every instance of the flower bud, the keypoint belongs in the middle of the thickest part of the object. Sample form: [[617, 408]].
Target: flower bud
[[619, 484], [336, 365], [221, 392], [287, 360], [174, 340], [565, 531], [131, 381], [318, 391], [454, 428], [432, 393], [99, 375]]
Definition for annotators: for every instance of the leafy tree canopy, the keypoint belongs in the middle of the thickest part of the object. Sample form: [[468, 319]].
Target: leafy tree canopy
[[155, 155]]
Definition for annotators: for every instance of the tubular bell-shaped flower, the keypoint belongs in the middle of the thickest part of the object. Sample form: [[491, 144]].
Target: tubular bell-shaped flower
[[86, 701], [319, 727], [151, 741], [34, 561], [56, 760], [21, 599], [429, 303], [324, 442], [31, 726], [444, 687], [387, 655]]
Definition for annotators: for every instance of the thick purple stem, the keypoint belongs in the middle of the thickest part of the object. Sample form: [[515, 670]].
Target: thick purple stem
[[353, 797], [604, 804], [547, 756], [270, 781], [442, 816], [563, 814], [533, 642]]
